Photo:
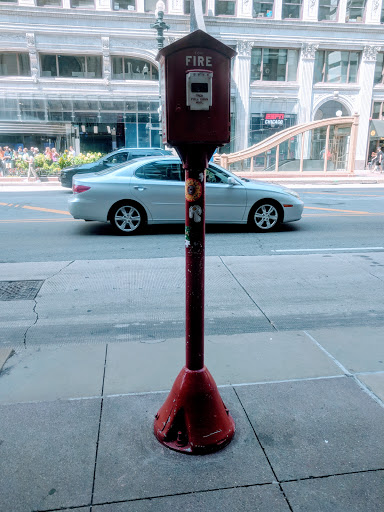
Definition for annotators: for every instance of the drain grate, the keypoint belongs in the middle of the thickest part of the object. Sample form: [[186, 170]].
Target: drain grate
[[19, 290]]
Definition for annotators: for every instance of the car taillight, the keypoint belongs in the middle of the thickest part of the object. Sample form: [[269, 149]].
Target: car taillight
[[77, 189]]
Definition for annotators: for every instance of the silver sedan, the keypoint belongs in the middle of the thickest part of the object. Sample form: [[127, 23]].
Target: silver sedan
[[151, 191]]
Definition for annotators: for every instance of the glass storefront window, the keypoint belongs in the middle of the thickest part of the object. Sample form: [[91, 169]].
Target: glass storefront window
[[336, 66], [124, 5], [292, 9], [15, 64], [187, 6], [48, 3], [82, 4], [379, 69], [125, 68], [71, 66], [225, 8], [328, 10], [355, 11], [150, 5], [262, 9], [274, 64]]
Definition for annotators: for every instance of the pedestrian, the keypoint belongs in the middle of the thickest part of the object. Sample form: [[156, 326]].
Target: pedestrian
[[379, 160], [71, 152], [2, 166], [371, 164], [7, 158], [55, 155], [28, 157]]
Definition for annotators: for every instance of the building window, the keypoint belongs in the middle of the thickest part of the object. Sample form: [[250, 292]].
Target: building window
[[274, 65], [355, 11], [377, 111], [262, 9], [225, 8], [48, 3], [336, 67], [15, 64], [8, 1], [71, 66], [328, 10], [125, 68], [379, 69], [292, 9], [83, 4], [150, 5], [123, 5], [187, 6]]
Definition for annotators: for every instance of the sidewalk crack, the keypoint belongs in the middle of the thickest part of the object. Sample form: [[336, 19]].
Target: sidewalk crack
[[264, 452], [245, 291], [99, 428]]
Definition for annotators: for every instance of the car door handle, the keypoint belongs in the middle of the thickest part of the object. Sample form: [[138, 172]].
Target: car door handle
[[139, 187]]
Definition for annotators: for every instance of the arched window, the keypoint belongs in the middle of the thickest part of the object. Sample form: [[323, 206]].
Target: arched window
[[128, 68]]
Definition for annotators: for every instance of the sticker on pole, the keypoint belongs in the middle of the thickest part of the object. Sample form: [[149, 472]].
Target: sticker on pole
[[193, 190]]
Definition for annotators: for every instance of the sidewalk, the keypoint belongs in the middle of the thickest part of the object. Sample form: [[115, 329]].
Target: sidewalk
[[363, 177], [77, 405]]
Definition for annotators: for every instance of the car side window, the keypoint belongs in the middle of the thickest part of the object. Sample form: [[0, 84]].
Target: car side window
[[160, 171], [214, 175], [119, 158], [137, 155]]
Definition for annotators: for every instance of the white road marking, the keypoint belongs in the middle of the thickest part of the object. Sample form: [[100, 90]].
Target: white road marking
[[331, 249]]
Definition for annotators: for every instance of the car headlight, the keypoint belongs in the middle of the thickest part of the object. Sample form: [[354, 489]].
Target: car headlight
[[292, 193]]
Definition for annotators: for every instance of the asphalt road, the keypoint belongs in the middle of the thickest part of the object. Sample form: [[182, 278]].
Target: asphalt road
[[36, 226]]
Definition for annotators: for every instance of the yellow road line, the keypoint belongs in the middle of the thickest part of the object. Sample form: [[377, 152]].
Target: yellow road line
[[22, 221], [45, 210], [4, 204], [335, 210]]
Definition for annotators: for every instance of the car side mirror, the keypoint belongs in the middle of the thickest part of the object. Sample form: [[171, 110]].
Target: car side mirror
[[231, 181]]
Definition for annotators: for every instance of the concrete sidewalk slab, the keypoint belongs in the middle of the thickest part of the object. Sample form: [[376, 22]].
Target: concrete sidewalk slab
[[266, 498], [53, 373], [47, 454], [359, 349], [375, 382], [362, 492], [31, 270], [236, 359], [132, 464], [316, 428]]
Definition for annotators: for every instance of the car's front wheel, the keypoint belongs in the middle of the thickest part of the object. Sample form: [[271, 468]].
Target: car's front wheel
[[127, 219], [265, 216]]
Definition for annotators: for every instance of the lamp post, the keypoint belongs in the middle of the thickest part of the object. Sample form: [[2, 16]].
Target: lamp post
[[160, 24]]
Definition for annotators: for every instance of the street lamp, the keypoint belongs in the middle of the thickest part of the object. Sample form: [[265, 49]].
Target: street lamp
[[160, 25]]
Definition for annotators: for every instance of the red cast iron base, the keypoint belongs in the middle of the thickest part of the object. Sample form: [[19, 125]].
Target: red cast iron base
[[194, 419]]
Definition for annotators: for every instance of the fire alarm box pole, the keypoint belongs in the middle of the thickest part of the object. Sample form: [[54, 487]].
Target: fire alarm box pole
[[195, 120]]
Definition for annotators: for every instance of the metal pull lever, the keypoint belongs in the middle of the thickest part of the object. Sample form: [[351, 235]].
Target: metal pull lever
[[137, 187]]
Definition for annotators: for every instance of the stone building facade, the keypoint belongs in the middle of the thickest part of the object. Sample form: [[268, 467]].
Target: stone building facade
[[83, 72]]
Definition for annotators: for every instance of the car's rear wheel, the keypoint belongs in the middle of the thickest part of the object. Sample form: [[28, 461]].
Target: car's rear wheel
[[127, 219], [265, 216]]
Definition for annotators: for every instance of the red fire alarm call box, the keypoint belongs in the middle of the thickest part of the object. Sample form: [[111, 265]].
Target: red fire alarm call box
[[195, 82]]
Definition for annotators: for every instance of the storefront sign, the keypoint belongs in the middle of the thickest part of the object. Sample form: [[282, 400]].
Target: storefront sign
[[274, 120]]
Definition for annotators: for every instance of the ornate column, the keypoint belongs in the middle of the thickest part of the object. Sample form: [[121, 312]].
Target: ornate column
[[373, 12], [310, 10], [342, 11], [306, 69], [31, 45], [244, 9], [211, 7], [277, 9], [366, 74], [242, 78], [107, 70]]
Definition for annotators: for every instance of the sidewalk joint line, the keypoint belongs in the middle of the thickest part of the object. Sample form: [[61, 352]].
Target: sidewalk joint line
[[347, 372], [346, 473], [245, 291], [99, 427], [262, 447]]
